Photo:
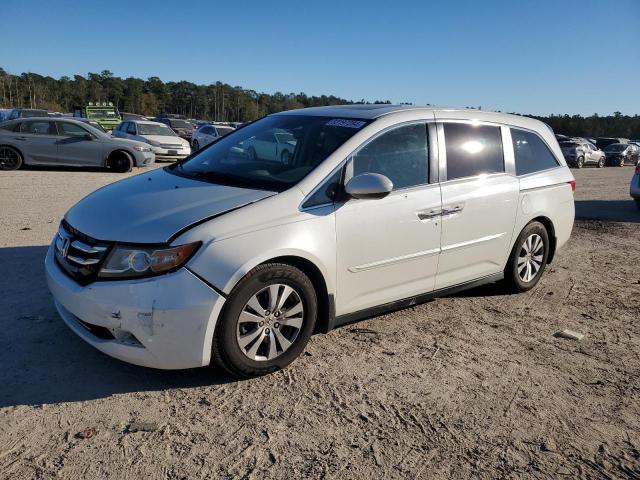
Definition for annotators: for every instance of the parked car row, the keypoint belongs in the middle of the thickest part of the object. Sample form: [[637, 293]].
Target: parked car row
[[580, 152]]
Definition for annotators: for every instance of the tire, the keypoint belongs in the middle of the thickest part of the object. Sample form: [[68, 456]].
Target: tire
[[120, 162], [285, 157], [621, 164], [251, 152], [515, 275], [196, 146], [580, 162], [10, 158], [244, 348], [601, 162]]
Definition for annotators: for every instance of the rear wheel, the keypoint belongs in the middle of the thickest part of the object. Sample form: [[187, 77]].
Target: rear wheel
[[267, 321], [528, 257], [601, 163], [10, 158], [580, 162], [120, 162]]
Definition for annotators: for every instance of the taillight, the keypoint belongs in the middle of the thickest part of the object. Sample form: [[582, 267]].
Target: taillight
[[573, 185]]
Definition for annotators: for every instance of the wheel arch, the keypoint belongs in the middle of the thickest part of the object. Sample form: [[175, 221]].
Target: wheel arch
[[326, 306], [17, 149]]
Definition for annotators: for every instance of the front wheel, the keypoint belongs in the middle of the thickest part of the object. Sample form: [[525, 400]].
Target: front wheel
[[601, 163], [267, 321], [528, 257], [120, 162]]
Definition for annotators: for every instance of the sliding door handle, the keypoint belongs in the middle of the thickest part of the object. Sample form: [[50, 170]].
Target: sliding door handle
[[429, 214]]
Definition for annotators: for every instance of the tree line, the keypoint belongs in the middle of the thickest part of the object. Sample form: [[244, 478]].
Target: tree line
[[218, 101], [223, 102]]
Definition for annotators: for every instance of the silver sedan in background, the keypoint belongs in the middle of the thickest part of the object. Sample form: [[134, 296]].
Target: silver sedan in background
[[66, 142]]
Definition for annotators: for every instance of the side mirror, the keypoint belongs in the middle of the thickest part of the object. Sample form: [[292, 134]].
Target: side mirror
[[88, 136], [369, 185]]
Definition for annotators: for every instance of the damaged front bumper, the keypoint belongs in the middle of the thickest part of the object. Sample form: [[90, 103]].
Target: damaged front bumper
[[163, 322]]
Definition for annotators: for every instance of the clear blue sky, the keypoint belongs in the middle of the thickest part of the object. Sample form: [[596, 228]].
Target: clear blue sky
[[528, 56]]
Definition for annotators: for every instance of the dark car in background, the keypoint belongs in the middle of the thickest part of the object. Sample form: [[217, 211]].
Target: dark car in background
[[621, 154], [578, 152], [602, 142], [182, 127], [15, 113]]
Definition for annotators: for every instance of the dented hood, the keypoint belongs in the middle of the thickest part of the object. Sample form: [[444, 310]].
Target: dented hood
[[152, 207]]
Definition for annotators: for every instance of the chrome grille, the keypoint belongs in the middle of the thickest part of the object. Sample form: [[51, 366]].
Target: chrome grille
[[79, 255], [167, 145]]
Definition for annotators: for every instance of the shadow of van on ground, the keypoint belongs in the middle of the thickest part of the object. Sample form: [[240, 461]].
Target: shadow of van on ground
[[45, 362]]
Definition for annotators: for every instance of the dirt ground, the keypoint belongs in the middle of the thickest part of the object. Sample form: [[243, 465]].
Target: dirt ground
[[470, 386]]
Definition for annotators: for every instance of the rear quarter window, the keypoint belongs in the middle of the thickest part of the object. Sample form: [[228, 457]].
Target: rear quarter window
[[531, 153]]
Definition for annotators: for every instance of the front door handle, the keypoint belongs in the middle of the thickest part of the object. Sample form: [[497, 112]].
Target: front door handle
[[22, 139], [451, 210]]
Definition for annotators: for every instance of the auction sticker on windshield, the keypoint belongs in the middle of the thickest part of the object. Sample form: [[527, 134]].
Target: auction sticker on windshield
[[343, 122]]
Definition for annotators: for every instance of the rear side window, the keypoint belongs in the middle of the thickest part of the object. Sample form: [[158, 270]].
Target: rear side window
[[531, 153], [401, 155], [472, 150], [37, 127]]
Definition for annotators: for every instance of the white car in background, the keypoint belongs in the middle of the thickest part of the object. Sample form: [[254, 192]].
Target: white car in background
[[274, 145], [167, 145], [207, 134]]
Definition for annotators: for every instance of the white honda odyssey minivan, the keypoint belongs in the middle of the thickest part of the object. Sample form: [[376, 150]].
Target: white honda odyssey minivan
[[237, 258]]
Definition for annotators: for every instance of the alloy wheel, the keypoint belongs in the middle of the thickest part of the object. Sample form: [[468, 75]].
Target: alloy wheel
[[530, 257], [270, 322]]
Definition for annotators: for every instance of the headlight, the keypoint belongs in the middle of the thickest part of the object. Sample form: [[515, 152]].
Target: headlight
[[141, 149], [131, 262]]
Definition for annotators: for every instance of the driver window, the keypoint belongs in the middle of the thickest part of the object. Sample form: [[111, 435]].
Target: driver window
[[401, 155], [131, 128]]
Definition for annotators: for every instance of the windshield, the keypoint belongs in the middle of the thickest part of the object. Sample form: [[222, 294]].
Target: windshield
[[616, 147], [102, 114], [33, 113], [153, 129], [181, 124], [253, 156], [222, 131]]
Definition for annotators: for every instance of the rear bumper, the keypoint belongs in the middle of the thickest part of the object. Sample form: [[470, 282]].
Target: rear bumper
[[165, 322]]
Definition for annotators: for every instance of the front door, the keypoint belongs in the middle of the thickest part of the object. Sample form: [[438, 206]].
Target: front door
[[387, 249], [479, 203], [77, 147]]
